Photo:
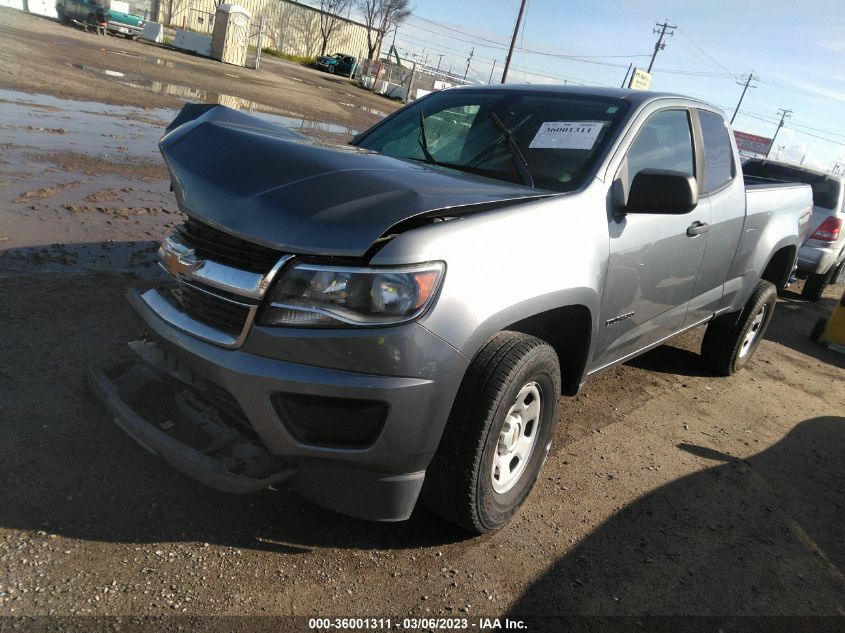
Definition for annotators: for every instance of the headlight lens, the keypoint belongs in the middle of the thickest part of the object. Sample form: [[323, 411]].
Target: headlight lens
[[310, 295]]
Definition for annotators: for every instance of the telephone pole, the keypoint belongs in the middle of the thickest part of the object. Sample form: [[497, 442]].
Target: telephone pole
[[513, 42], [490, 81], [660, 43], [784, 114], [742, 96], [469, 59]]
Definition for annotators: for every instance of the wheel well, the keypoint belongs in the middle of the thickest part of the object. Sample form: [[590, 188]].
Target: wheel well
[[568, 330], [780, 267]]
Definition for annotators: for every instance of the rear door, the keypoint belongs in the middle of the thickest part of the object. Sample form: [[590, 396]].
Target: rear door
[[724, 193], [653, 263]]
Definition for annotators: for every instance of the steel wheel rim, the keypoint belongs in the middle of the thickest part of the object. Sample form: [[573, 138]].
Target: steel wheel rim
[[517, 438], [753, 332]]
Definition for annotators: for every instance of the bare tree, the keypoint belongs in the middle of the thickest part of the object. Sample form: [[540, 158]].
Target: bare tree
[[330, 19], [380, 16]]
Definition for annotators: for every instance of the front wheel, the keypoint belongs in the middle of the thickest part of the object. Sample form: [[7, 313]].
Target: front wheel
[[498, 434], [731, 340]]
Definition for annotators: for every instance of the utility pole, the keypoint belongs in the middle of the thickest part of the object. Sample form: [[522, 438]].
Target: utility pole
[[802, 159], [784, 114], [490, 81], [469, 59], [513, 42], [660, 43], [742, 96], [439, 59], [630, 66]]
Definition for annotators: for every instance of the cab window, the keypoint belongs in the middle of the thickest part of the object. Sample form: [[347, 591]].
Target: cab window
[[719, 168], [663, 142]]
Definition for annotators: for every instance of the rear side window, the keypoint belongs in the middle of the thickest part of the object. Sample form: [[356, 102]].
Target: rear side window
[[664, 142], [719, 166]]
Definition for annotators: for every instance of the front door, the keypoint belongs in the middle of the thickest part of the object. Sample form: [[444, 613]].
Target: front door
[[654, 262]]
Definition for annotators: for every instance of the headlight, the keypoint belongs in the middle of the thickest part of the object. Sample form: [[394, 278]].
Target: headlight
[[328, 296]]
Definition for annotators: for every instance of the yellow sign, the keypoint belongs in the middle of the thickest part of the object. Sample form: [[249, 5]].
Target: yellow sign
[[640, 80]]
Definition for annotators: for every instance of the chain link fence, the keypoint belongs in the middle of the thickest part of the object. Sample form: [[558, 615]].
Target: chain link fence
[[405, 82]]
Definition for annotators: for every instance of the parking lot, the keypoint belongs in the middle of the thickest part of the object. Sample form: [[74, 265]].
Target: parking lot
[[668, 490]]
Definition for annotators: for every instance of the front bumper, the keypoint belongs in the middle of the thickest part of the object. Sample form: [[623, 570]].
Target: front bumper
[[125, 29], [408, 369]]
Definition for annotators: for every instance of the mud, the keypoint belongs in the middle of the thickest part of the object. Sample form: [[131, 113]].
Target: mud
[[668, 491]]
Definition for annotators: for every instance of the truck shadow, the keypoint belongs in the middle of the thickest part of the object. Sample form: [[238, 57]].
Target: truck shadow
[[794, 319], [69, 470], [752, 536]]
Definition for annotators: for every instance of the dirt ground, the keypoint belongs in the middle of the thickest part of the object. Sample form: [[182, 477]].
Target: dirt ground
[[668, 492]]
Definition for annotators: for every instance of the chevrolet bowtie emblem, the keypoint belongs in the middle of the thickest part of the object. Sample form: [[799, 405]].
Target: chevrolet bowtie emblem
[[177, 258]]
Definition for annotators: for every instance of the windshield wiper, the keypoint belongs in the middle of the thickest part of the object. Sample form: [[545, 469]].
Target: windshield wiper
[[518, 158], [424, 141]]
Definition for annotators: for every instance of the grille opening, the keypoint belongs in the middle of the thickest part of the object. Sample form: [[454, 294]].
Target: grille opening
[[209, 307], [213, 244], [331, 422]]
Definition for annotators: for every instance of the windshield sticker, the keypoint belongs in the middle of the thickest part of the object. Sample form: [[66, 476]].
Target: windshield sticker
[[567, 135]]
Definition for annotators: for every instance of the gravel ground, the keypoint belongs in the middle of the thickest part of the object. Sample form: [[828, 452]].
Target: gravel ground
[[668, 491]]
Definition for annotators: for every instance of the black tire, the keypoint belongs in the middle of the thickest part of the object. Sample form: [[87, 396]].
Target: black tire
[[816, 283], [818, 329], [724, 346], [459, 482], [837, 274], [330, 70]]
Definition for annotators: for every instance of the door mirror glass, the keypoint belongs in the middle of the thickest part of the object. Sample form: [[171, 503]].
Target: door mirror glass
[[662, 191]]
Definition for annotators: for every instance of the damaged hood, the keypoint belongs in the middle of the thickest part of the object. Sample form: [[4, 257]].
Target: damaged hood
[[272, 186]]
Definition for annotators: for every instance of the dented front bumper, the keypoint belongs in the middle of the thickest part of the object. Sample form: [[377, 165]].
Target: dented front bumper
[[250, 401]]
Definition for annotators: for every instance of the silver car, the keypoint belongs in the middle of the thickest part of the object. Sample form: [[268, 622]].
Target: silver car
[[821, 257]]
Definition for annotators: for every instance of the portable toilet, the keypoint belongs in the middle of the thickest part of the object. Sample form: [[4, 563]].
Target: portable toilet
[[230, 37]]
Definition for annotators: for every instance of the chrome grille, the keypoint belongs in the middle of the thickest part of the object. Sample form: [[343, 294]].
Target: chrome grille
[[209, 306], [215, 245]]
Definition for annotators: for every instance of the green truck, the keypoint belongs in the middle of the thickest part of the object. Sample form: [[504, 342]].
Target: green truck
[[94, 13]]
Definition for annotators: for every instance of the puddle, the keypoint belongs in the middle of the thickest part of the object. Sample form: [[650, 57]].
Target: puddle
[[282, 116], [48, 124], [378, 113]]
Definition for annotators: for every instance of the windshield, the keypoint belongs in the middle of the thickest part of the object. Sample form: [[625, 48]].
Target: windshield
[[559, 135]]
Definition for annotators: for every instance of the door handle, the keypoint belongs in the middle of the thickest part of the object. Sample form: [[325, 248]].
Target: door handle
[[697, 228]]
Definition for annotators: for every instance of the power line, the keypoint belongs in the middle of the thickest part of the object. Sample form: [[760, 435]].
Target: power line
[[478, 39], [704, 52]]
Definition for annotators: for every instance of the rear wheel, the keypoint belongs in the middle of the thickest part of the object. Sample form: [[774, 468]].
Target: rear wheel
[[837, 274], [498, 434], [731, 339], [816, 283]]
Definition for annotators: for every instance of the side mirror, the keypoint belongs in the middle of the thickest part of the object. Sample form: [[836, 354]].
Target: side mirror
[[662, 191]]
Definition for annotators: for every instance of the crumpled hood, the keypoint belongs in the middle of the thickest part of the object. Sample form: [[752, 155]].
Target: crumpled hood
[[270, 185]]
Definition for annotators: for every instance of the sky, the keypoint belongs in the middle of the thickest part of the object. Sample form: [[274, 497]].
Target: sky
[[796, 49]]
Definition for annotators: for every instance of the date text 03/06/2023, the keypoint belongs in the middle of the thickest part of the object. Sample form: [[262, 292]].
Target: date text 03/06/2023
[[447, 624]]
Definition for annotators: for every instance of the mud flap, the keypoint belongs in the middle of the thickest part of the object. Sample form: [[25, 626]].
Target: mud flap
[[195, 442]]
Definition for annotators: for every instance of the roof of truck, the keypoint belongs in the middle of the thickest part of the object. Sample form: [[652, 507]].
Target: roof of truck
[[633, 96]]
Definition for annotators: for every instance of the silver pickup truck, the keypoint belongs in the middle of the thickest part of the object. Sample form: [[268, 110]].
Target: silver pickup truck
[[396, 319]]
